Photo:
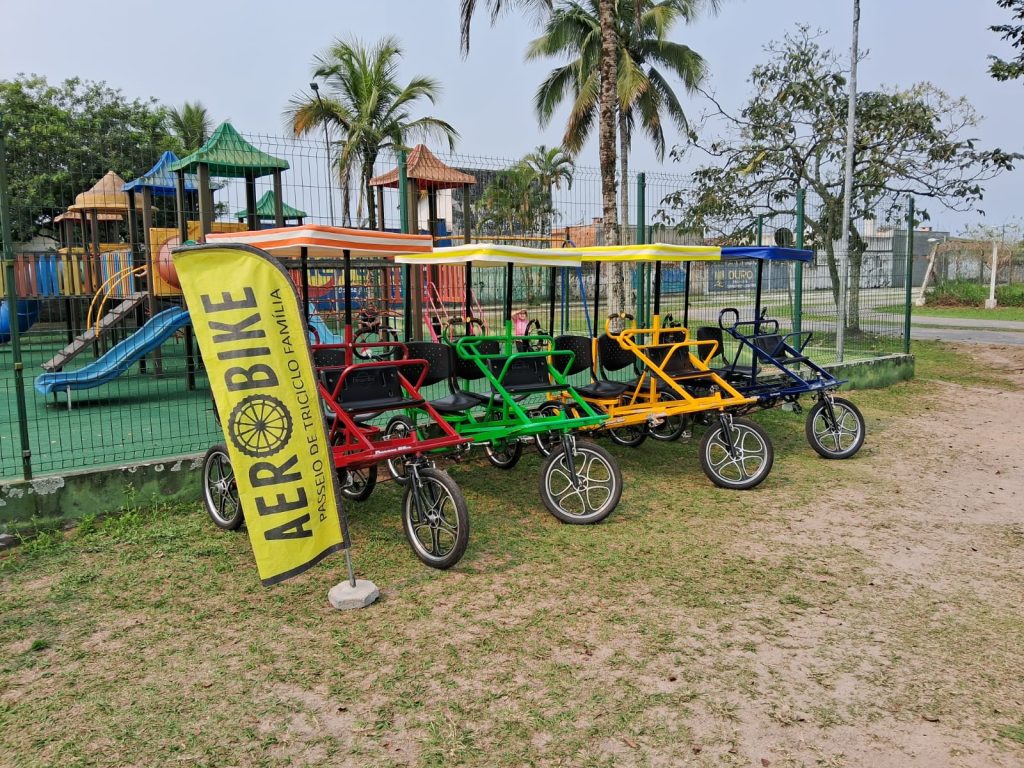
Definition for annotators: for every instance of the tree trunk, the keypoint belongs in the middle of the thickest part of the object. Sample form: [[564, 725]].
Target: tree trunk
[[608, 106], [624, 269], [371, 204]]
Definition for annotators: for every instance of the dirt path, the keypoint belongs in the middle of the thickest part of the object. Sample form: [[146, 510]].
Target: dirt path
[[887, 675]]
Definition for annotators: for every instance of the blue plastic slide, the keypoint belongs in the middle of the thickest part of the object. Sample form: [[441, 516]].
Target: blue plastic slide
[[28, 313], [324, 335], [120, 358]]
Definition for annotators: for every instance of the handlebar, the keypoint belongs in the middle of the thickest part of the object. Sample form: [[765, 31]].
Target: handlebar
[[624, 316], [759, 324]]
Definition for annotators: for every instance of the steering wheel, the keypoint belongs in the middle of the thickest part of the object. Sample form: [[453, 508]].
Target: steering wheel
[[625, 317], [724, 313], [314, 333], [476, 328]]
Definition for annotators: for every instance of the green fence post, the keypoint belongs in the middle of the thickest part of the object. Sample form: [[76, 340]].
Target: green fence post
[[641, 272], [12, 311], [798, 276], [908, 288], [760, 230]]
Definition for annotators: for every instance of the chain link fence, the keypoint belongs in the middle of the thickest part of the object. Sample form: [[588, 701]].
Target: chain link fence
[[83, 280]]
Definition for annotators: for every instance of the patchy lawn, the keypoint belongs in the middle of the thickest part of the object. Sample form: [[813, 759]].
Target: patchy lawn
[[854, 613]]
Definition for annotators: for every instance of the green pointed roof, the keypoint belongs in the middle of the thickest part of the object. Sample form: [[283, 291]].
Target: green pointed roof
[[265, 209], [229, 155]]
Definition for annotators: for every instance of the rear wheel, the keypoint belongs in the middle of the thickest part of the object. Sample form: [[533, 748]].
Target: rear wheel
[[596, 491], [357, 484], [547, 441], [629, 435], [671, 427], [399, 427], [220, 491], [736, 453], [505, 454], [835, 435], [435, 518]]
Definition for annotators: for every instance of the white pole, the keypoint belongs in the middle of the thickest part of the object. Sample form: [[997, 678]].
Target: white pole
[[851, 127], [991, 302]]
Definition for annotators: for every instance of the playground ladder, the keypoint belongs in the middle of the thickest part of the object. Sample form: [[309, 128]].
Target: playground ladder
[[115, 315]]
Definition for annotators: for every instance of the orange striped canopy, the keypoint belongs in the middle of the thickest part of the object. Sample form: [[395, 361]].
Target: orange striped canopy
[[321, 241]]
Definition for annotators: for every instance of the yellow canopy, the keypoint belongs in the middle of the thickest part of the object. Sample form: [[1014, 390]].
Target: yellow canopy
[[649, 252], [487, 254]]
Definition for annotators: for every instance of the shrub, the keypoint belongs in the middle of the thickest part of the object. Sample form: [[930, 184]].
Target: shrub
[[957, 293], [1010, 295]]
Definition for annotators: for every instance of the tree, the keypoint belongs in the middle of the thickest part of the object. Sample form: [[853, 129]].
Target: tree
[[191, 125], [551, 166], [792, 135], [644, 93], [1013, 34], [467, 10], [367, 108], [61, 139]]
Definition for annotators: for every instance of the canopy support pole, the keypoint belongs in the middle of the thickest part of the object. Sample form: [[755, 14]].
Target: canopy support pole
[[553, 278], [757, 297], [278, 200], [348, 306], [147, 226], [304, 264]]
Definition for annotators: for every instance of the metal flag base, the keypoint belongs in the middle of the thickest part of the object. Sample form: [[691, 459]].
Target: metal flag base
[[352, 593]]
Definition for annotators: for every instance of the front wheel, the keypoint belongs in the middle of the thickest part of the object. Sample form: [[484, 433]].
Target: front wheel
[[504, 455], [835, 434], [736, 453], [582, 489], [220, 490], [357, 484], [399, 427], [435, 518]]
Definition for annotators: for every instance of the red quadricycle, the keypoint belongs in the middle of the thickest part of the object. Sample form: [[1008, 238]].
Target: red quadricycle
[[359, 384]]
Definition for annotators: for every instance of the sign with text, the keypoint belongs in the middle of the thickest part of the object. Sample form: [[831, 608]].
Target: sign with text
[[253, 340]]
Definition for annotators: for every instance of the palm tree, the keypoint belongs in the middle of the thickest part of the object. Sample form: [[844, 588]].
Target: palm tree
[[643, 92], [191, 125], [367, 108], [496, 7], [552, 166]]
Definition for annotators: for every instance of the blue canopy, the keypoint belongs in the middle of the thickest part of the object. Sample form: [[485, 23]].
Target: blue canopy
[[766, 253], [160, 179]]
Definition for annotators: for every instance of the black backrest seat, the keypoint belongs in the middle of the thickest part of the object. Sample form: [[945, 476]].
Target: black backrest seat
[[710, 333], [332, 357], [678, 364], [439, 357], [468, 369], [370, 384], [611, 356], [580, 346], [524, 371], [771, 344]]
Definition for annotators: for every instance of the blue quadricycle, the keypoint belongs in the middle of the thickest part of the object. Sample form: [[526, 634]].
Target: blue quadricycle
[[772, 366]]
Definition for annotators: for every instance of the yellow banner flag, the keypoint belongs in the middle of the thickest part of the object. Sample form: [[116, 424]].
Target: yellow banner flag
[[253, 340]]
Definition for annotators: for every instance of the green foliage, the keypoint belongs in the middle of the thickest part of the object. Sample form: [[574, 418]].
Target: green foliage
[[366, 108], [62, 138], [515, 203], [1013, 33], [191, 125], [1010, 295], [970, 293]]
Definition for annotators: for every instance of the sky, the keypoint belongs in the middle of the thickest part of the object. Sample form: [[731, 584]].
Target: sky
[[243, 59]]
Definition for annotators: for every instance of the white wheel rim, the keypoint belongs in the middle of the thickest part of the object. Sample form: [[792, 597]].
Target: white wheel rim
[[748, 459], [596, 483]]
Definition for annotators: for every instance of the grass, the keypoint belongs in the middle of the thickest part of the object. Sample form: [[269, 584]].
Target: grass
[[965, 313], [148, 639]]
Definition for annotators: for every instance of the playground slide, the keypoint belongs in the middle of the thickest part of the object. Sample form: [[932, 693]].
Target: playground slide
[[324, 335], [28, 313], [120, 358]]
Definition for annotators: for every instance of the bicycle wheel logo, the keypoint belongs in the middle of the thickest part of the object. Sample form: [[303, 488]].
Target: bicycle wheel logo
[[260, 426]]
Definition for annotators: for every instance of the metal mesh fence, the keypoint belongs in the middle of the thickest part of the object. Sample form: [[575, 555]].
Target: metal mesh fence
[[102, 267]]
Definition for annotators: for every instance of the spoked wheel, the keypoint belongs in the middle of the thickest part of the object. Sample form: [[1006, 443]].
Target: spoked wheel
[[220, 491], [629, 435], [546, 442], [671, 427], [435, 517], [736, 453], [836, 432], [504, 455], [583, 489], [357, 484], [375, 336], [399, 427]]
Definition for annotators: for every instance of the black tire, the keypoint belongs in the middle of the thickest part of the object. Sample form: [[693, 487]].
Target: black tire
[[220, 491], [835, 441], [438, 527], [629, 435], [506, 455], [368, 336], [742, 472], [357, 484], [399, 426], [600, 476], [672, 427], [546, 442]]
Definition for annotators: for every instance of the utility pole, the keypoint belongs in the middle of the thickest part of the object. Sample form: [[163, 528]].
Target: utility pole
[[851, 128]]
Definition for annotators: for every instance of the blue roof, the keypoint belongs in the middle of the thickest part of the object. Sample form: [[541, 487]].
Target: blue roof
[[160, 178], [766, 253]]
